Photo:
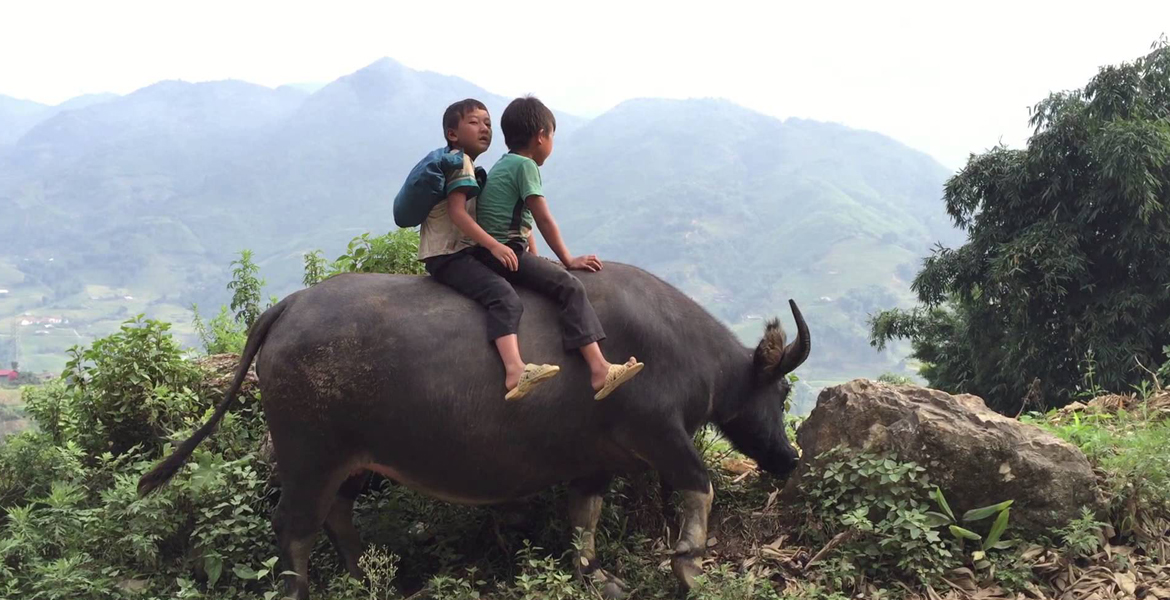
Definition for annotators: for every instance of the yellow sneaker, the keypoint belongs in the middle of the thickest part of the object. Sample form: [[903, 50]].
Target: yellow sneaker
[[530, 378]]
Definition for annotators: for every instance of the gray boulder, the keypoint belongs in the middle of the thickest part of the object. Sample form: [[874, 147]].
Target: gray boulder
[[975, 455]]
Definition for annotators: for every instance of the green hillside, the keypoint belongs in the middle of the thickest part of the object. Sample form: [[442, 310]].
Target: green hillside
[[743, 212]]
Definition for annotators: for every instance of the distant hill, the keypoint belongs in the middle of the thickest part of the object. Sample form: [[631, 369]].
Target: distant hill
[[17, 116], [138, 203], [307, 87], [743, 211]]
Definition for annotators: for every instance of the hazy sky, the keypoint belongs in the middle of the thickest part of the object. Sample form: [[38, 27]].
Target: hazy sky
[[945, 77]]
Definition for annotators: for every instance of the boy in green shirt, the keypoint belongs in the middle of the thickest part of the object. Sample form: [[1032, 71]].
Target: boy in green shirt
[[511, 201], [448, 232]]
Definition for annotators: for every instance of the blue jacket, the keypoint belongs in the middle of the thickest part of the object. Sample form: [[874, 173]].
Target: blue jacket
[[424, 186]]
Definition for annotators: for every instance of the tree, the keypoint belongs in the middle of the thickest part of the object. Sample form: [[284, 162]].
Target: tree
[[315, 266], [245, 288], [1067, 250], [225, 332]]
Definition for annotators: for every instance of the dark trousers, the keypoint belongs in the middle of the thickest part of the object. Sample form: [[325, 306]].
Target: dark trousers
[[477, 274]]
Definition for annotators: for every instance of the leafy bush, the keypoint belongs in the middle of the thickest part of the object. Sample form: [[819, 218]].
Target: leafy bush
[[75, 526], [895, 379], [227, 332], [1083, 536], [222, 334], [541, 578], [878, 506], [395, 252], [442, 587], [316, 268], [232, 528], [1132, 450], [722, 583], [212, 519], [245, 287], [30, 463], [51, 407], [8, 413], [1164, 370], [875, 511], [131, 387]]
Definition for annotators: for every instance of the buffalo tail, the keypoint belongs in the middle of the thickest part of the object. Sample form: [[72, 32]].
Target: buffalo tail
[[167, 468]]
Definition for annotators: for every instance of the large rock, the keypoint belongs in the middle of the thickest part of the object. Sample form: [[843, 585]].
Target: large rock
[[220, 369], [978, 457]]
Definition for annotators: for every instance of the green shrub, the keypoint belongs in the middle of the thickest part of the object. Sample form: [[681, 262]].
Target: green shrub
[[1132, 451], [232, 527], [381, 569], [30, 463], [41, 547], [316, 268], [131, 387], [52, 408], [895, 379], [1082, 537], [541, 577], [880, 508], [395, 252], [245, 286], [222, 334], [722, 583]]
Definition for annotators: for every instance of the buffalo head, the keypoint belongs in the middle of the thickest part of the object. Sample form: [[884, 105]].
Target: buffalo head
[[754, 420]]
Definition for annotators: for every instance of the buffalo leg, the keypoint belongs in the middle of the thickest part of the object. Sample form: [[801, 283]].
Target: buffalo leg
[[692, 541], [682, 469], [306, 499], [585, 498], [339, 524]]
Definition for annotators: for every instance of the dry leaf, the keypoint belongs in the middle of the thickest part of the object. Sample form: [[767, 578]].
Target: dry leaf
[[1161, 593], [1127, 582], [739, 466], [1032, 552], [771, 499]]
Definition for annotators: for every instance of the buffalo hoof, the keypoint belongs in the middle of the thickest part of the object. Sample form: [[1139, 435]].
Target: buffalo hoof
[[606, 584], [686, 568]]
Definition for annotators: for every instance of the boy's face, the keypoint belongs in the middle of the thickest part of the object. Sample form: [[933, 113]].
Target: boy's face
[[542, 146], [474, 133]]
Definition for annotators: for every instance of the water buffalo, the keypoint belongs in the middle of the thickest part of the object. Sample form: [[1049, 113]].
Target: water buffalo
[[395, 374]]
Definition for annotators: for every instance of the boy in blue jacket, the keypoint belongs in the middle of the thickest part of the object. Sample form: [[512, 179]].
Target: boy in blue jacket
[[447, 181]]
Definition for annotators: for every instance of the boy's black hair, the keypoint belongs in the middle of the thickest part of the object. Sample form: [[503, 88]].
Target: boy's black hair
[[454, 114], [523, 119]]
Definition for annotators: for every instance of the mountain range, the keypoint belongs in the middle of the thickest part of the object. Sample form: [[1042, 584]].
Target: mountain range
[[112, 206]]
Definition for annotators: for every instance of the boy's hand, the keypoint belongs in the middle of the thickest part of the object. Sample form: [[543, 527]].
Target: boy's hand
[[505, 255], [589, 262]]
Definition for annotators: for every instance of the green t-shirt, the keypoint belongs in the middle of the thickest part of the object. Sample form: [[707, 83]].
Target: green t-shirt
[[501, 209]]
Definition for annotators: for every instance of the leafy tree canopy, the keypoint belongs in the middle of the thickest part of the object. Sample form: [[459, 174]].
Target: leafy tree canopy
[[1066, 270]]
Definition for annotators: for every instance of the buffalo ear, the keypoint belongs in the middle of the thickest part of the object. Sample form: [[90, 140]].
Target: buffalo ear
[[774, 358], [770, 352]]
